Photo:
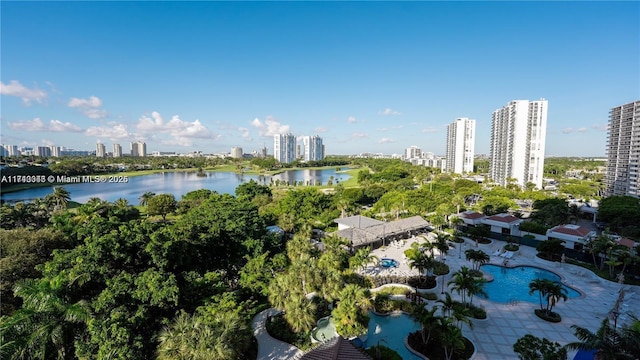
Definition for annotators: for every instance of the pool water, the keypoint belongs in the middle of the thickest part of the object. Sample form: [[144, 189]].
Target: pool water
[[512, 284], [387, 263], [325, 330], [391, 331]]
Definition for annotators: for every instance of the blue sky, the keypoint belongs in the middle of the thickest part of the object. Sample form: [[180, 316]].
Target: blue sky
[[365, 76]]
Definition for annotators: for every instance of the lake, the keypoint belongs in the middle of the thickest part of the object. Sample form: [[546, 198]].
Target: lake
[[177, 183]]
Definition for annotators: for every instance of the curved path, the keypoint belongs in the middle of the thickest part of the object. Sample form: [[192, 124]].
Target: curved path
[[268, 347]]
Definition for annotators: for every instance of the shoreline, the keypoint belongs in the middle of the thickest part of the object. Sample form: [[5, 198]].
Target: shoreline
[[227, 168]]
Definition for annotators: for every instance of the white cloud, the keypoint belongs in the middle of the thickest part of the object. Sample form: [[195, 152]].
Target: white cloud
[[244, 132], [388, 111], [14, 88], [568, 130], [59, 126], [582, 130], [38, 125], [179, 132], [90, 107], [385, 141], [320, 129], [391, 128], [600, 127], [47, 142], [430, 130], [269, 127], [113, 132], [359, 135], [351, 119]]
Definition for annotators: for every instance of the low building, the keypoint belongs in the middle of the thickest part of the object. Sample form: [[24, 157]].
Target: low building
[[362, 231], [574, 236], [337, 348], [505, 224], [471, 218]]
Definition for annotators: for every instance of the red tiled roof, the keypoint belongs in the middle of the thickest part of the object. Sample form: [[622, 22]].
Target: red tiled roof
[[503, 218], [472, 215], [336, 349], [574, 230], [627, 242]]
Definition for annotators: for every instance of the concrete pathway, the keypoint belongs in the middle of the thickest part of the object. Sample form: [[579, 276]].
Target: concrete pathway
[[268, 347], [506, 323]]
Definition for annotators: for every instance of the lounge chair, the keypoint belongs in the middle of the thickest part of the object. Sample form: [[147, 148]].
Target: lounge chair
[[509, 254], [496, 253]]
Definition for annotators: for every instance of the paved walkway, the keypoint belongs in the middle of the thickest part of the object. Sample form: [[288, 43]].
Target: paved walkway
[[268, 347], [506, 323]]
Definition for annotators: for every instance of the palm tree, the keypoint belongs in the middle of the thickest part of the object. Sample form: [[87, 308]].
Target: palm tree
[[350, 316], [427, 319], [121, 203], [299, 313], [60, 197], [46, 325], [226, 336], [607, 342], [144, 198], [549, 290], [362, 258], [451, 338], [477, 258], [476, 287], [461, 281], [538, 285], [447, 304], [442, 244]]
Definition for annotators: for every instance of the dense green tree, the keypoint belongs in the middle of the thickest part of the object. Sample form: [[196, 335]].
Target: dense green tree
[[22, 251], [530, 347], [551, 212], [60, 197], [477, 258], [46, 326], [162, 205], [350, 316]]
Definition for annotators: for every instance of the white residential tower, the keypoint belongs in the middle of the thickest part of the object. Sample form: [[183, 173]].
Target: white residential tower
[[518, 133], [623, 150], [461, 138]]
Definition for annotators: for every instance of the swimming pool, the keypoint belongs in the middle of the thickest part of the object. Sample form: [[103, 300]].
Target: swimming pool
[[511, 284], [391, 331], [324, 330], [387, 263]]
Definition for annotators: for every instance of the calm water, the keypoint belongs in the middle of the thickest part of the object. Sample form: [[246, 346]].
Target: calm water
[[512, 284], [176, 183], [391, 331]]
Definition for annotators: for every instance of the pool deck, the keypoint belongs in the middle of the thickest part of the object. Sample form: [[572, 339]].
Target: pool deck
[[506, 323]]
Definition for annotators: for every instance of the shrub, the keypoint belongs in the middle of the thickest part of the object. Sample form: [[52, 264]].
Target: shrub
[[512, 247], [534, 227], [380, 352], [550, 317]]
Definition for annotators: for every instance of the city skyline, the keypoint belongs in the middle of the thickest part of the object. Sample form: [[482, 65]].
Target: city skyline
[[366, 77]]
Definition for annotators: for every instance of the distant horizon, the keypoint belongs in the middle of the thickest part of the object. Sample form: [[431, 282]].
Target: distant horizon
[[367, 77]]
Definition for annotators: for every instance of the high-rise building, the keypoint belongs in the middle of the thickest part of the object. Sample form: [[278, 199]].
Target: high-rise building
[[284, 148], [100, 150], [55, 151], [236, 152], [43, 151], [412, 152], [313, 148], [623, 150], [138, 149], [117, 150], [461, 138], [12, 150], [518, 134]]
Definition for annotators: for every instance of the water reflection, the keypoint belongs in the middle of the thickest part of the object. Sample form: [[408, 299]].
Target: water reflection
[[180, 183]]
